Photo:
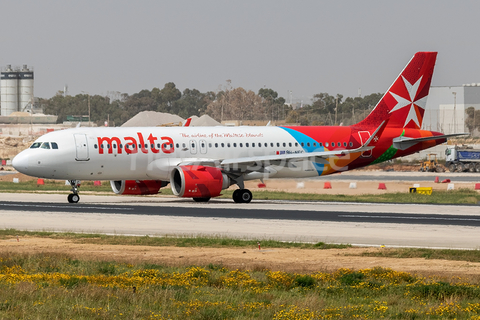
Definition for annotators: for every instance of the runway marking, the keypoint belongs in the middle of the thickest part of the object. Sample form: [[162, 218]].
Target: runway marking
[[406, 218], [65, 207]]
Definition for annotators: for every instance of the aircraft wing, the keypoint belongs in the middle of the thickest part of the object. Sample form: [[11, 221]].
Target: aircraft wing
[[313, 156], [403, 143]]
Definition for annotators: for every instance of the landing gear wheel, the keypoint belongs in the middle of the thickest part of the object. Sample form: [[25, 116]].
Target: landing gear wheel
[[201, 199], [73, 198], [236, 196], [242, 196]]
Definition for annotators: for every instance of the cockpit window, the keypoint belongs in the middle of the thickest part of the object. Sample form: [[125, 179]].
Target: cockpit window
[[54, 145], [45, 145], [35, 145]]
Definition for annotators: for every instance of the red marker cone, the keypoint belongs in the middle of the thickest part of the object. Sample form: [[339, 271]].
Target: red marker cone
[[40, 182], [382, 186], [327, 185], [437, 180]]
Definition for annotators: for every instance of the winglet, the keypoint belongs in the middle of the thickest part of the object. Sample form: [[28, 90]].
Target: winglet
[[377, 133]]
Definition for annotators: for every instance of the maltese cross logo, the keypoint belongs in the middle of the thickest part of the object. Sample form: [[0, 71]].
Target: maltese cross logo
[[410, 102]]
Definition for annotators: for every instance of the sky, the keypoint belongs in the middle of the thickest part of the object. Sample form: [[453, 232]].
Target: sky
[[302, 47]]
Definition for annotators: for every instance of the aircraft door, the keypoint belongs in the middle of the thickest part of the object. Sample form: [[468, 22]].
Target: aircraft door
[[364, 136], [203, 146], [193, 147], [81, 147]]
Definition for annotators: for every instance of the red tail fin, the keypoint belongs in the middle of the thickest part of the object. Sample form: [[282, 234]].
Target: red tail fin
[[404, 102]]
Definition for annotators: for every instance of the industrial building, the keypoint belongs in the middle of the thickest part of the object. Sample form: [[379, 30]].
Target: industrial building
[[446, 108]]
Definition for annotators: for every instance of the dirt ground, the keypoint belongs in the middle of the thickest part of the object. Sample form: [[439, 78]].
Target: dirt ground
[[289, 260]]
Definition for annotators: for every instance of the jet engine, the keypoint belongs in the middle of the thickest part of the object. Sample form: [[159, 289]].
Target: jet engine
[[198, 182], [137, 187]]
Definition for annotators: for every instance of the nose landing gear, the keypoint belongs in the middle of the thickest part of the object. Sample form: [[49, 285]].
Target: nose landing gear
[[74, 197]]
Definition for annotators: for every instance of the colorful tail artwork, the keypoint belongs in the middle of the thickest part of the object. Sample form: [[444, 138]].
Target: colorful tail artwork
[[404, 102], [401, 111]]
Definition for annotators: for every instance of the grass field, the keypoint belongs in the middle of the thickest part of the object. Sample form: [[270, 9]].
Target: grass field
[[57, 286], [460, 196]]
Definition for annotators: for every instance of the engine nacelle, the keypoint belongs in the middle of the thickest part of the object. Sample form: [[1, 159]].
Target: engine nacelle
[[198, 181], [137, 187]]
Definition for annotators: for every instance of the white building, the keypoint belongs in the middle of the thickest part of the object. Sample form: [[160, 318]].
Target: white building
[[446, 107]]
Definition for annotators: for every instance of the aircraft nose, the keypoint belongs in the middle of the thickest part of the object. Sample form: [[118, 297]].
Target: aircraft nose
[[20, 162]]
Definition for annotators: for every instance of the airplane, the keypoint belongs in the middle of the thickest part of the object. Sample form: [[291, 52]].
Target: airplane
[[200, 162]]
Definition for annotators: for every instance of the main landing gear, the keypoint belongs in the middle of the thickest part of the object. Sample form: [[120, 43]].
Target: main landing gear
[[74, 197], [242, 196]]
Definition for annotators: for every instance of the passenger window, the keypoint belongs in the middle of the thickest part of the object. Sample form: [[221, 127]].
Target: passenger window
[[284, 144], [278, 144], [177, 145], [234, 145], [146, 146], [108, 146], [120, 146], [339, 144], [326, 144], [344, 144], [216, 145], [45, 145], [289, 144], [228, 145], [271, 144], [183, 145], [223, 145], [303, 144], [308, 144], [209, 144], [246, 144], [296, 144], [95, 146], [240, 144], [350, 144], [333, 144], [266, 144], [193, 145], [114, 146], [203, 145], [314, 144], [253, 144], [36, 145], [320, 144], [54, 145]]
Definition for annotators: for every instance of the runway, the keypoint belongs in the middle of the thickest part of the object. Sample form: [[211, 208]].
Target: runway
[[358, 224]]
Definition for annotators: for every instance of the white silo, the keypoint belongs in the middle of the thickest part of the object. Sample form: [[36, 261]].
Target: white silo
[[9, 88], [25, 88]]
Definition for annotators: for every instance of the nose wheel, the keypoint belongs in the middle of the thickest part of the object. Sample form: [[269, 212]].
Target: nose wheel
[[74, 197], [242, 196]]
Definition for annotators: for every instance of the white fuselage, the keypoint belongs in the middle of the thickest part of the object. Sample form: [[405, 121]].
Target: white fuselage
[[147, 153]]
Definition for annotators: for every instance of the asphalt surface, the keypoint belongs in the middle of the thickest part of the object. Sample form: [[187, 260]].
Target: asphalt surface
[[244, 212], [364, 224]]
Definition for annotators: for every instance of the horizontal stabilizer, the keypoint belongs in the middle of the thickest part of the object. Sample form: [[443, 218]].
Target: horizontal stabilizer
[[403, 143]]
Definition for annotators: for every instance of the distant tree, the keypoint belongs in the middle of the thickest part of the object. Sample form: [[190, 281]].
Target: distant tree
[[236, 104], [472, 120], [192, 103], [168, 96]]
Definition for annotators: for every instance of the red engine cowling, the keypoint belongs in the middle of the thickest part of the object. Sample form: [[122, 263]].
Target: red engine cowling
[[198, 181], [137, 187]]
